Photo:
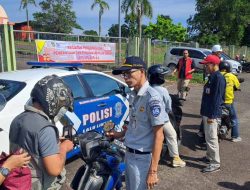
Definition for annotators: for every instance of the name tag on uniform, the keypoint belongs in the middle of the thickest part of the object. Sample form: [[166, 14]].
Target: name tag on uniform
[[134, 124]]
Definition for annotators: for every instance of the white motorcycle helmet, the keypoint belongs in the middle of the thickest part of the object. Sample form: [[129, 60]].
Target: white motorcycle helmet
[[217, 48]]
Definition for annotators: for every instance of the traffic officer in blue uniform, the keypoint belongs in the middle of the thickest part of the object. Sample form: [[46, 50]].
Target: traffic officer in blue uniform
[[144, 134]]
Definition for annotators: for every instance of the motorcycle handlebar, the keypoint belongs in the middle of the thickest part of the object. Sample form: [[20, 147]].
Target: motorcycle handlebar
[[104, 144]]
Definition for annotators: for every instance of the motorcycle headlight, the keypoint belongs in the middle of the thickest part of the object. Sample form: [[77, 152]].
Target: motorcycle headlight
[[235, 66]]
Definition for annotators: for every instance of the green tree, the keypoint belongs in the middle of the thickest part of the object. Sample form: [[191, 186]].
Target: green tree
[[56, 16], [91, 36], [102, 6], [113, 31], [225, 21], [130, 21], [246, 39], [90, 32], [137, 9], [164, 28], [24, 5]]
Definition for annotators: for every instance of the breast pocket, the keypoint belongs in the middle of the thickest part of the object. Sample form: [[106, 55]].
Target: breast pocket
[[141, 113]]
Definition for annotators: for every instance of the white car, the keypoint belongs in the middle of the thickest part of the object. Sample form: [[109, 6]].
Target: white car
[[172, 56], [98, 98]]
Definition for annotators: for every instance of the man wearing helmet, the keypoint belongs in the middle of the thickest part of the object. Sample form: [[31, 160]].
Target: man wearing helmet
[[243, 59], [232, 85], [212, 100], [34, 131], [156, 79], [185, 68], [217, 50]]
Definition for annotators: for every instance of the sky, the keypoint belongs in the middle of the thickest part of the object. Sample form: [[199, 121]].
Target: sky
[[178, 10]]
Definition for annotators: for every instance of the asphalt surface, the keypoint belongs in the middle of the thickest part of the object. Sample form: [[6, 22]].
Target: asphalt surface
[[235, 157]]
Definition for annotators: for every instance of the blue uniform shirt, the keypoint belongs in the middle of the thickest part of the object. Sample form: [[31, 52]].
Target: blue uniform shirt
[[213, 96], [163, 92], [146, 110]]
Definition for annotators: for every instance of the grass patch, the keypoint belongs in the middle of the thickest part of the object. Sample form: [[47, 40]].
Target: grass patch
[[197, 78]]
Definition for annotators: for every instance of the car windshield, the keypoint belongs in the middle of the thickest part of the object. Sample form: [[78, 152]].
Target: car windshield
[[225, 56], [207, 52], [9, 88]]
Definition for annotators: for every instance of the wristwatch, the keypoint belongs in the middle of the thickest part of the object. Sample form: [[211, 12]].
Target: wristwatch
[[4, 171]]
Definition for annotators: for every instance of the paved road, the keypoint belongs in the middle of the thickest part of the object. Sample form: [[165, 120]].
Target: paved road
[[235, 157]]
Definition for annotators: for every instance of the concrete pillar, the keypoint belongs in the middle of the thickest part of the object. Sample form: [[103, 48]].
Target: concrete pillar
[[245, 50], [6, 48], [231, 52], [12, 46], [148, 51], [8, 57]]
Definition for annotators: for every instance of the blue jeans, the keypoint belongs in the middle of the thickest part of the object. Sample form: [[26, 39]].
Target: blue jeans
[[234, 120]]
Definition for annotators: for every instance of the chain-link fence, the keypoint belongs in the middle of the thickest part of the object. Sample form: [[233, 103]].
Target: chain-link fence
[[160, 47], [25, 47], [233, 50]]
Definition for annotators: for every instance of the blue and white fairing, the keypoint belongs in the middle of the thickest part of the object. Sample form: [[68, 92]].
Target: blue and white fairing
[[92, 114]]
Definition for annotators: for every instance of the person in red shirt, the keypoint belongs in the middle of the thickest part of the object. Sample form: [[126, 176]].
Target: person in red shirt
[[185, 68]]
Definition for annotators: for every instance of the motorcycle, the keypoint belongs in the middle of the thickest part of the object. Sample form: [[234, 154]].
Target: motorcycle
[[225, 125], [176, 115], [103, 165], [246, 67]]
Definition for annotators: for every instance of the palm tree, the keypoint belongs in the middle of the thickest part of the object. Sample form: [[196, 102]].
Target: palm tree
[[24, 5], [102, 5], [138, 8]]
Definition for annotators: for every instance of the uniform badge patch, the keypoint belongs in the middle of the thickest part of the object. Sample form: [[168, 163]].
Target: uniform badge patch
[[142, 109], [155, 110]]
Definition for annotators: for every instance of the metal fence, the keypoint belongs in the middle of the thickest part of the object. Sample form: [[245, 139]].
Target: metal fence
[[1, 53], [159, 48], [233, 50], [26, 49]]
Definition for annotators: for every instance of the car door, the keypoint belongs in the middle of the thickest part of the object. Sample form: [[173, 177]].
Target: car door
[[97, 99], [80, 93], [197, 57], [106, 104]]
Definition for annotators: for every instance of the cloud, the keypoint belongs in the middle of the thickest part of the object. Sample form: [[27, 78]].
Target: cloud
[[178, 10]]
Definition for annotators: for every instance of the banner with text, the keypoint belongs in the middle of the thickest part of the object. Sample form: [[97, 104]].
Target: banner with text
[[84, 52]]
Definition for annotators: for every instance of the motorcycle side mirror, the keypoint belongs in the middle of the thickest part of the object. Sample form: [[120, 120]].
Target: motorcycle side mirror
[[125, 90]]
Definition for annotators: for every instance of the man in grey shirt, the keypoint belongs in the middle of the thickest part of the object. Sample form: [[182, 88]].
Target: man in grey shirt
[[35, 132]]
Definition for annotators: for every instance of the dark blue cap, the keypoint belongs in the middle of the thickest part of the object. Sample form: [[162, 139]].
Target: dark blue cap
[[132, 62]]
